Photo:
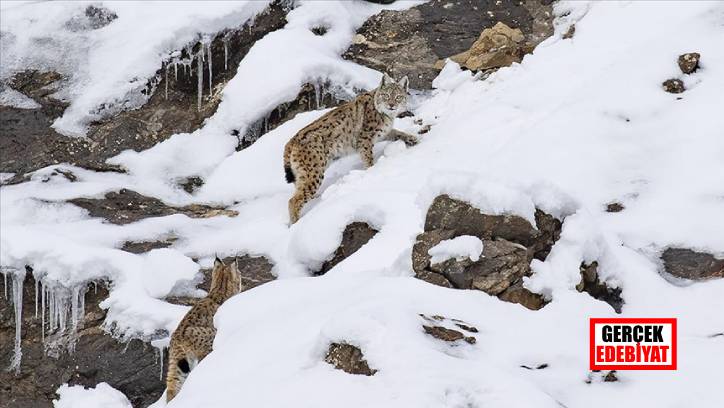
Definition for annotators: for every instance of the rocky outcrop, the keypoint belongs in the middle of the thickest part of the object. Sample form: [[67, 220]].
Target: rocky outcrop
[[509, 244], [28, 143], [592, 284], [349, 359], [355, 235], [126, 206], [410, 42], [688, 264]]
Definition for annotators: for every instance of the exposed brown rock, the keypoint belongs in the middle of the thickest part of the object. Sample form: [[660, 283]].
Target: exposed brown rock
[[349, 359], [446, 334], [410, 42], [509, 244], [688, 264], [591, 284], [689, 62], [570, 32], [139, 247], [27, 142], [355, 235], [498, 46], [126, 206], [673, 86]]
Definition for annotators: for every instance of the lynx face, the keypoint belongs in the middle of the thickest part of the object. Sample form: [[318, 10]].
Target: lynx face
[[391, 96]]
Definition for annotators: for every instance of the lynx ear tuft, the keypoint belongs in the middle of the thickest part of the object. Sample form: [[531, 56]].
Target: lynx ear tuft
[[218, 262], [404, 82]]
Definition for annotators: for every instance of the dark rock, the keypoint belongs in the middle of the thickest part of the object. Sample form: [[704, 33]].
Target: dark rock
[[501, 265], [355, 235], [689, 62], [538, 367], [93, 18], [381, 1], [610, 376], [139, 247], [424, 242], [434, 278], [133, 368], [673, 86], [465, 327], [591, 284], [190, 184], [320, 30], [614, 207], [549, 231], [570, 32], [348, 358], [516, 293], [27, 142], [126, 206], [687, 264], [445, 334], [410, 42]]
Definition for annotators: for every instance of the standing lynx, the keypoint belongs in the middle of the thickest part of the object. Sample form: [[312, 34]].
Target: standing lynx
[[354, 126], [194, 336]]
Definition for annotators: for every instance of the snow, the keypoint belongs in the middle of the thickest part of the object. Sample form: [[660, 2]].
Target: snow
[[578, 124], [459, 248], [108, 67], [15, 99], [103, 395]]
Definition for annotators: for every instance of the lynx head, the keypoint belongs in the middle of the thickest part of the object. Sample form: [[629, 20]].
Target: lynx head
[[391, 96], [225, 280]]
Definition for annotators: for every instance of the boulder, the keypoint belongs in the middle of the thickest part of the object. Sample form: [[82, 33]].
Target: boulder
[[349, 359], [355, 235], [498, 46], [509, 244], [410, 42], [688, 264], [689, 62]]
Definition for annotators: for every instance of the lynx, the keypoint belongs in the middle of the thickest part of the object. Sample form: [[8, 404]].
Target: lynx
[[193, 338], [354, 126]]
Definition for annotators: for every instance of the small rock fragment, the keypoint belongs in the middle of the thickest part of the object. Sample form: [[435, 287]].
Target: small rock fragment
[[570, 32], [614, 207], [689, 62], [673, 85], [445, 334]]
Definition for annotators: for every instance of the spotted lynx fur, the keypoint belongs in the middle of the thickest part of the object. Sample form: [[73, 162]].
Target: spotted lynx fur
[[193, 338], [354, 126]]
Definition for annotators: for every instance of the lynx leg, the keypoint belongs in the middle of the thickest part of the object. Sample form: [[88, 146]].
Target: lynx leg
[[365, 151], [307, 184]]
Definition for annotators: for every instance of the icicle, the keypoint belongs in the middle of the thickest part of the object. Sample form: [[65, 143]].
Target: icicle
[[200, 75], [208, 49], [318, 94], [166, 81], [161, 345], [36, 297], [5, 278], [18, 279], [226, 53], [175, 71], [42, 309]]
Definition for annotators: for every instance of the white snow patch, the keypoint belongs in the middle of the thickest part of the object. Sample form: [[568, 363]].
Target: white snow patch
[[458, 248], [102, 396]]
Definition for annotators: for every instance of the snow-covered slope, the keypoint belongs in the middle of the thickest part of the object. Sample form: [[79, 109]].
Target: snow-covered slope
[[578, 124]]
